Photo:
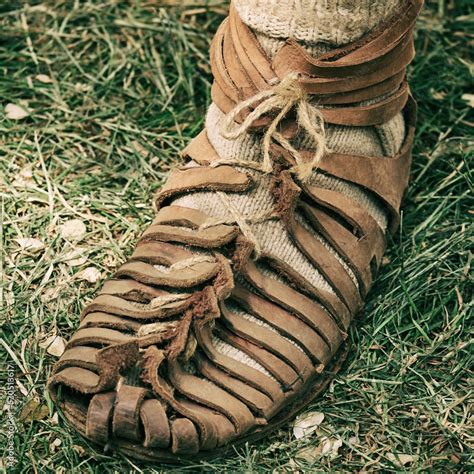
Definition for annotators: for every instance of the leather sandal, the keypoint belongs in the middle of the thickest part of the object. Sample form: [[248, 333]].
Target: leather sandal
[[143, 374]]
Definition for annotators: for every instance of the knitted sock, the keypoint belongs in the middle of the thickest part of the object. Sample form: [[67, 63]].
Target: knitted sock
[[327, 22], [319, 25]]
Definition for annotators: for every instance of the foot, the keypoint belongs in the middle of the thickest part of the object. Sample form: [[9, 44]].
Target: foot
[[232, 313]]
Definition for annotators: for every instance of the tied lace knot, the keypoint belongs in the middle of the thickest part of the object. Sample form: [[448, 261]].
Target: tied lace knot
[[283, 97]]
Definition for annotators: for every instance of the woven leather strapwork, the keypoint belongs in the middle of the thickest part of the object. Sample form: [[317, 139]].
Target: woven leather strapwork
[[372, 67], [144, 372]]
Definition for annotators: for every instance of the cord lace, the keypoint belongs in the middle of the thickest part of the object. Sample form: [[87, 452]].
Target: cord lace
[[284, 96]]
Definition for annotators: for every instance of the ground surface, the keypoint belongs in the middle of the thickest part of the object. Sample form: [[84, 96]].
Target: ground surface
[[113, 90]]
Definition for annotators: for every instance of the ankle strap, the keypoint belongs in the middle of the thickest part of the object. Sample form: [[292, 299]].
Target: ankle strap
[[371, 70]]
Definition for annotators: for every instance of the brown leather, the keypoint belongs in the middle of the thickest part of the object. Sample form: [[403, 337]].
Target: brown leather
[[361, 71], [145, 372], [256, 400], [387, 178], [221, 178], [287, 324], [200, 150], [127, 411], [155, 424], [99, 416]]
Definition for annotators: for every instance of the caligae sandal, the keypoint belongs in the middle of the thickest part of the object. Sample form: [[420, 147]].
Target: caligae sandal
[[142, 374]]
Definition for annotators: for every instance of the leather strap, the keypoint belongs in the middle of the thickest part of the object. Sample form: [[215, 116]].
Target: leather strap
[[236, 369], [370, 69], [287, 324], [256, 400], [200, 150], [220, 178], [386, 177]]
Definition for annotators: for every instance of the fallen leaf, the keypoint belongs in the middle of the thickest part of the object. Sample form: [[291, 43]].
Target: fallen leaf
[[469, 98], [33, 411], [50, 294], [307, 424], [54, 420], [54, 345], [140, 149], [336, 445], [401, 459], [90, 274], [327, 447], [43, 78], [15, 112], [55, 445], [73, 230], [455, 459], [354, 440], [24, 179], [438, 95], [29, 243], [75, 257], [309, 454], [79, 449]]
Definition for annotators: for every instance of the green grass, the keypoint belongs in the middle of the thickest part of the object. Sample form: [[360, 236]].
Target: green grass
[[130, 86]]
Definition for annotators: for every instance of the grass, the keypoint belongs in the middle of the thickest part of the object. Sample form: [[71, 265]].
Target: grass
[[126, 87]]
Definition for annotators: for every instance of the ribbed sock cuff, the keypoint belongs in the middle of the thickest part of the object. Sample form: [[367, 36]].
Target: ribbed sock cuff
[[335, 22]]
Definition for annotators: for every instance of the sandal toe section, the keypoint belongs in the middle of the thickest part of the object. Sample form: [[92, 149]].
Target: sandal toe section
[[155, 424], [185, 439], [99, 417]]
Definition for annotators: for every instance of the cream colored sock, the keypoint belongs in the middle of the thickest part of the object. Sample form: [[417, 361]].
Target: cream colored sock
[[331, 22], [319, 25]]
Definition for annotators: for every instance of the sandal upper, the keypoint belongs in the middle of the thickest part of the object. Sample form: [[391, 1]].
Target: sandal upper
[[144, 371]]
